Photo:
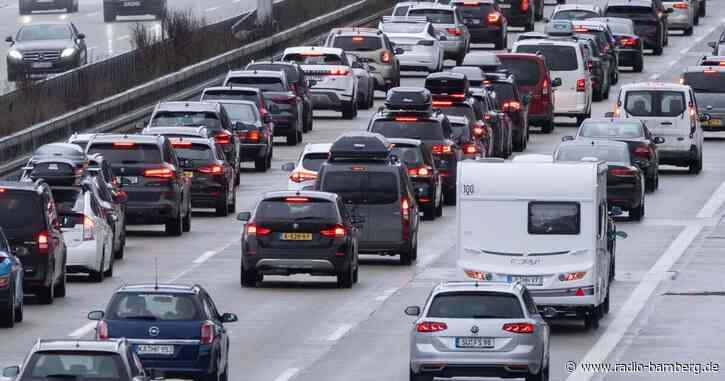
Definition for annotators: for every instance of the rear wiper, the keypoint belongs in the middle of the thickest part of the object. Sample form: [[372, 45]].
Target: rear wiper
[[64, 376], [485, 317], [307, 218], [140, 317]]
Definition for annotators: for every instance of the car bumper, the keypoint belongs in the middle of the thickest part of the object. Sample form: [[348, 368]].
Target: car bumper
[[488, 34], [628, 57], [6, 295], [382, 248], [305, 261], [16, 69], [426, 359], [250, 152], [83, 257], [679, 19], [679, 157], [417, 61], [35, 276], [206, 194], [565, 300], [150, 213], [624, 195], [426, 192], [453, 48], [330, 99], [385, 75], [134, 8], [190, 358]]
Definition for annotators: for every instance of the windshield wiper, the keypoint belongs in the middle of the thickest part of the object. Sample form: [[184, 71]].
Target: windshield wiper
[[141, 317], [485, 317], [64, 376]]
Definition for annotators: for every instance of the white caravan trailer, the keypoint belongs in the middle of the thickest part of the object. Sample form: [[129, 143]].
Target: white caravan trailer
[[541, 223]]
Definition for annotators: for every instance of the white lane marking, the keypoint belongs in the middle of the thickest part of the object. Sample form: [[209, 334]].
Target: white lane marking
[[673, 63], [287, 374], [642, 294], [685, 50], [212, 9], [386, 294], [204, 257], [339, 332], [93, 14], [124, 37], [654, 76], [82, 331]]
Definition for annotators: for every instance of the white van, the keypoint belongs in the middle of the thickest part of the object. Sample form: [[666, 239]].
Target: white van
[[541, 223]]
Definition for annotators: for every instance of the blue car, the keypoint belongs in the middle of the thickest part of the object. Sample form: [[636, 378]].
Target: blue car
[[175, 330], [11, 285]]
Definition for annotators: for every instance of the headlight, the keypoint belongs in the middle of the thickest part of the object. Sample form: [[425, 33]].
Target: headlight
[[67, 52], [15, 55]]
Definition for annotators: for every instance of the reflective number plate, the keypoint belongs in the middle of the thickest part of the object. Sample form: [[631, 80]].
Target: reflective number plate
[[527, 280], [297, 236], [474, 342], [42, 65], [713, 122], [472, 21], [188, 174], [146, 349], [131, 3], [504, 5], [129, 180]]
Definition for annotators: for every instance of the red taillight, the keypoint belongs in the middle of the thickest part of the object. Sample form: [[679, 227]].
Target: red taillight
[[545, 87], [512, 105], [207, 334], [223, 138], [681, 5], [524, 5], [296, 200], [470, 149], [431, 326], [162, 173], [300, 176], [627, 41], [454, 31], [406, 119], [442, 103], [441, 149], [124, 144], [337, 231], [253, 135], [254, 230], [419, 172], [212, 169], [181, 144], [642, 151], [620, 172], [405, 209], [478, 131], [518, 327], [88, 226], [42, 241], [339, 71], [590, 65], [579, 292], [581, 85], [385, 57], [493, 17], [288, 99], [102, 330]]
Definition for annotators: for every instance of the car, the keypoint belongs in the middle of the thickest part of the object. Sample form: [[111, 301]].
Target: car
[[605, 41], [598, 65], [304, 173], [179, 132], [625, 180], [683, 15], [79, 359], [29, 219], [485, 22], [532, 78], [298, 81], [718, 47], [423, 173], [150, 173], [670, 111], [522, 13], [40, 49], [702, 8], [112, 199], [11, 285], [64, 161], [373, 47], [451, 95], [478, 329], [174, 329], [335, 83], [706, 83], [114, 8], [80, 140], [284, 105], [575, 12], [649, 17], [300, 232], [365, 80], [629, 45], [255, 136], [498, 124], [514, 104], [710, 60], [641, 142], [213, 178], [25, 7], [462, 132], [420, 43], [377, 192], [238, 93], [448, 22], [488, 62]]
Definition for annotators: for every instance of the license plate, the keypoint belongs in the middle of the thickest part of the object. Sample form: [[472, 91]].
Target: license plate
[[132, 4], [188, 174], [527, 280], [129, 180], [297, 236], [406, 48], [504, 5], [149, 349], [472, 21], [474, 342], [42, 65], [318, 79], [713, 122]]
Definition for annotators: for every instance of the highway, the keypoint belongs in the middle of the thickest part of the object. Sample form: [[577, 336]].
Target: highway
[[305, 328]]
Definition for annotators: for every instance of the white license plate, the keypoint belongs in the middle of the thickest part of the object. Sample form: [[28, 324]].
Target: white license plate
[[153, 349], [472, 21], [132, 4], [129, 180], [474, 342], [504, 5], [527, 280], [42, 65]]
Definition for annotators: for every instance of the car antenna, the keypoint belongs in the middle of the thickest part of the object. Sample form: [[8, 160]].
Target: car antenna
[[156, 271]]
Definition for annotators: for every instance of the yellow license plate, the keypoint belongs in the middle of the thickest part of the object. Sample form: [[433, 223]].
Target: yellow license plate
[[297, 236], [189, 174], [714, 122]]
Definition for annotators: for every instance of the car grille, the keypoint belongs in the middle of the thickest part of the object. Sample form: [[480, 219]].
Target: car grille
[[41, 56]]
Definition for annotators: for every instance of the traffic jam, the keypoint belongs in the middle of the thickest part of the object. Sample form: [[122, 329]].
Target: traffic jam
[[361, 153]]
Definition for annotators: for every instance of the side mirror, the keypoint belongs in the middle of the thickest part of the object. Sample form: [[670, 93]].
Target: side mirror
[[556, 82], [704, 117], [267, 118], [113, 218], [11, 371], [244, 216], [356, 65], [669, 10], [288, 167], [229, 318], [526, 99], [81, 36], [9, 39], [312, 82], [711, 44], [398, 51], [20, 251], [96, 315], [658, 140], [615, 211], [412, 311], [567, 138], [609, 114], [621, 235], [140, 125], [442, 38]]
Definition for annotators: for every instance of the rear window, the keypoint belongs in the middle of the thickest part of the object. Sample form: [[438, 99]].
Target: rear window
[[421, 130], [68, 200], [628, 10], [554, 218], [153, 306], [291, 72], [231, 95], [241, 112], [435, 16], [55, 150], [558, 57], [574, 14], [706, 81], [316, 59], [577, 153], [75, 365], [465, 111], [611, 130], [620, 28], [401, 10], [526, 71], [358, 43], [197, 153], [20, 209], [410, 156], [475, 305], [503, 92], [460, 131], [127, 154], [362, 187], [403, 27], [186, 119], [314, 161], [475, 13], [262, 83], [655, 103], [278, 210]]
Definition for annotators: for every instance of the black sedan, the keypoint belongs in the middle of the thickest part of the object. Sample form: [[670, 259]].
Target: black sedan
[[629, 44], [42, 49]]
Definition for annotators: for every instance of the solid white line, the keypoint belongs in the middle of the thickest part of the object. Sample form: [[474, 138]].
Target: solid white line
[[339, 332], [654, 76], [204, 257], [124, 37], [82, 331], [386, 294], [287, 374], [212, 9], [714, 203], [93, 14], [685, 50]]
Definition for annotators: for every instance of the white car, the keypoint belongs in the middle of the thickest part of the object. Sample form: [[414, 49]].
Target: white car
[[575, 12], [420, 43], [86, 232], [682, 15], [669, 110], [304, 172]]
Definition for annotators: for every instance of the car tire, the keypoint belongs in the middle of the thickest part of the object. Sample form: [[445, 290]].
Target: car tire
[[7, 315], [450, 197], [173, 226], [186, 221], [222, 206], [439, 208], [19, 312], [652, 182], [657, 50], [292, 138], [529, 27], [249, 278], [638, 65], [548, 126], [429, 212], [109, 272], [97, 276], [109, 14], [696, 165], [355, 274], [501, 43], [23, 8], [696, 21], [702, 11], [419, 376], [232, 207], [349, 110], [605, 305], [260, 164], [46, 295], [344, 278], [636, 214], [615, 77], [591, 319], [688, 31], [542, 375]]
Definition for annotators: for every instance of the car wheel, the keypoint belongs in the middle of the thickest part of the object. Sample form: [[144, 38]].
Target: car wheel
[[501, 43], [292, 138], [636, 214], [591, 319], [97, 276], [450, 197], [548, 126], [615, 76], [233, 205], [639, 64], [7, 315], [702, 11], [419, 376], [260, 164], [696, 165], [173, 226], [696, 21], [605, 305], [688, 31], [59, 289], [109, 272], [249, 278], [109, 14], [19, 312], [542, 375], [651, 183], [222, 206], [349, 110], [186, 222], [429, 212], [119, 250], [530, 26], [658, 49], [344, 278]]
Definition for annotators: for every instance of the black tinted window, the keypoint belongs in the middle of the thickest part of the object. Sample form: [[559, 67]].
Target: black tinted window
[[20, 210], [40, 32], [75, 365], [558, 58], [611, 130], [412, 157], [655, 103], [197, 153], [460, 131], [358, 43], [574, 14], [231, 95], [362, 187], [554, 218], [277, 210], [435, 16], [422, 130], [382, 188], [186, 119], [153, 306], [475, 13], [348, 185], [623, 11], [526, 71], [475, 305], [460, 110], [127, 153], [706, 81], [314, 59], [241, 112], [68, 200], [262, 83], [504, 92], [291, 72], [314, 161]]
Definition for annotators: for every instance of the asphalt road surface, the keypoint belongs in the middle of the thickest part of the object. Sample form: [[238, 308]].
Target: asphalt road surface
[[304, 328]]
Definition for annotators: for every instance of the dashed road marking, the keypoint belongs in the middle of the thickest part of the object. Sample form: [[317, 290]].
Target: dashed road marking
[[339, 332], [287, 374]]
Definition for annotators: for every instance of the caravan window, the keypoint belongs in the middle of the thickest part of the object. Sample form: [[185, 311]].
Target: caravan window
[[554, 218]]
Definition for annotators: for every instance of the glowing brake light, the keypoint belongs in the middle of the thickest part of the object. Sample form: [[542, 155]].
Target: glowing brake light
[[478, 131], [358, 39], [581, 29], [337, 231], [568, 277], [619, 172], [518, 327], [407, 119], [252, 135], [301, 176], [311, 53], [430, 326], [627, 41], [443, 103], [88, 226], [545, 87], [212, 169], [296, 200], [207, 334], [581, 85], [223, 138], [441, 148], [470, 149], [419, 172], [162, 173], [42, 242], [405, 209], [524, 5], [512, 105], [179, 144], [454, 31], [493, 17], [124, 144], [254, 230], [385, 57], [681, 5], [338, 71]]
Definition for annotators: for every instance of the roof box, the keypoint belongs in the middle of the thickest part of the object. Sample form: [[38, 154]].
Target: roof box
[[447, 83], [61, 172], [408, 98], [559, 28], [360, 146]]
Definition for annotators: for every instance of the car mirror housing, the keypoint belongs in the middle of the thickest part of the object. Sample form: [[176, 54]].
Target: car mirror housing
[[412, 311], [229, 318], [96, 315], [288, 167], [658, 140], [621, 235], [11, 371], [567, 138], [615, 211], [244, 216]]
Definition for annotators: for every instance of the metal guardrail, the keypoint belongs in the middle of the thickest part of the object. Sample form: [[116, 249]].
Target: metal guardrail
[[123, 109]]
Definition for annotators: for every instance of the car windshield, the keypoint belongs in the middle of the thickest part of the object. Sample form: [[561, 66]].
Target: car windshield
[[127, 153], [358, 43], [558, 57], [186, 119], [422, 130], [362, 187], [75, 365], [626, 130], [55, 150], [574, 14], [314, 58], [716, 100], [435, 16], [279, 210], [19, 209], [153, 306], [44, 32], [657, 103], [313, 161], [579, 152], [475, 305], [554, 218], [525, 70], [289, 70], [391, 27], [408, 155], [241, 112], [230, 95], [262, 83], [705, 81], [197, 153]]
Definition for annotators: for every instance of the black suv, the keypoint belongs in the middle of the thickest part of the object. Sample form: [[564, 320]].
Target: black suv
[[485, 21], [522, 13], [423, 173], [497, 122], [515, 105], [298, 84], [114, 8], [42, 49], [30, 221], [293, 232], [606, 42], [27, 6], [649, 17], [147, 168]]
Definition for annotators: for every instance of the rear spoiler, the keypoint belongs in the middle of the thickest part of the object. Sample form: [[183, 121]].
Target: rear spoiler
[[406, 19]]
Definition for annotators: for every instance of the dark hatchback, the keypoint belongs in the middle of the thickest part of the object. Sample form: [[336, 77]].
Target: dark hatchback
[[42, 49], [497, 122], [255, 136], [147, 168], [175, 330], [522, 13], [423, 173], [236, 93], [708, 84], [485, 21], [629, 45], [293, 232], [115, 8], [25, 7], [649, 17], [513, 104]]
